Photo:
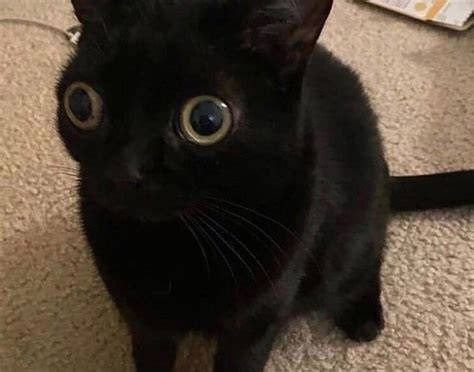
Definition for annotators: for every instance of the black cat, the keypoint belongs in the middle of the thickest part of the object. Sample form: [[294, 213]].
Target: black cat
[[231, 174]]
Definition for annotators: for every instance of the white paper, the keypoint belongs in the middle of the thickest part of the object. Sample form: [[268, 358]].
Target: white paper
[[450, 13]]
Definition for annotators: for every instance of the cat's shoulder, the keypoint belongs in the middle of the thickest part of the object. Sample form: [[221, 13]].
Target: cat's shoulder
[[334, 90], [326, 73], [335, 104]]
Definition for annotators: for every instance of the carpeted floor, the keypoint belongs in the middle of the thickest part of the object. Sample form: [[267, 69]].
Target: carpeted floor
[[54, 313]]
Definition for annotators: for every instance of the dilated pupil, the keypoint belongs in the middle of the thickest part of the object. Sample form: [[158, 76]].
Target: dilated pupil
[[207, 118], [80, 104]]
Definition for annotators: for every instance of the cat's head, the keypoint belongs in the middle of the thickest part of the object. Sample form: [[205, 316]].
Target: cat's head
[[166, 103]]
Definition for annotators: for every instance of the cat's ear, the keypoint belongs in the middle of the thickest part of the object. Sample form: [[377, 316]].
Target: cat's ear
[[286, 31], [90, 11]]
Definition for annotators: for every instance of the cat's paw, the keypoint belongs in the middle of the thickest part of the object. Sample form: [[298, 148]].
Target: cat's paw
[[362, 326], [364, 332]]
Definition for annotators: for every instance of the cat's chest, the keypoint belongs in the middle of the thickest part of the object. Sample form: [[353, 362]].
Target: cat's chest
[[179, 274]]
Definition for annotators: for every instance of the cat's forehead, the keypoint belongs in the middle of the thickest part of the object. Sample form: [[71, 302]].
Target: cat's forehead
[[178, 58], [177, 17], [199, 37], [180, 32]]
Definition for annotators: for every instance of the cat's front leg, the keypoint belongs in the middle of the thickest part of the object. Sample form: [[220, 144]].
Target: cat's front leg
[[353, 284], [246, 349], [153, 352]]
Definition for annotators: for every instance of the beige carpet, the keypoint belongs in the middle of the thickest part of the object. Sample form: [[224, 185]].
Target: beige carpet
[[54, 313]]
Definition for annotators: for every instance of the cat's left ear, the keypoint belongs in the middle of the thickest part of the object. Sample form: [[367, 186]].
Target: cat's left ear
[[90, 11], [285, 31]]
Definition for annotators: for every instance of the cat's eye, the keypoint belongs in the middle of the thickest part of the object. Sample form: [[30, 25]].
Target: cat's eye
[[205, 120], [84, 106]]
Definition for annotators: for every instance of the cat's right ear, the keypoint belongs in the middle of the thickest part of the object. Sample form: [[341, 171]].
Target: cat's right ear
[[284, 32], [90, 11]]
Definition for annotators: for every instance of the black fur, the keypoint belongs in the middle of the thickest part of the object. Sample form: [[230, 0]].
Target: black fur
[[287, 215], [444, 190]]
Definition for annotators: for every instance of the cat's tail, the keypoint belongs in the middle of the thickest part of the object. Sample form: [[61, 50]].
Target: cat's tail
[[443, 190]]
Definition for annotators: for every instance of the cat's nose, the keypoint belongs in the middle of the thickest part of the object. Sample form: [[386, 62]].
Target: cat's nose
[[129, 179], [133, 180], [129, 169]]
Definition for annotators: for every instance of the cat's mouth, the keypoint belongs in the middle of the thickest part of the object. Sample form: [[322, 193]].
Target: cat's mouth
[[149, 202]]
